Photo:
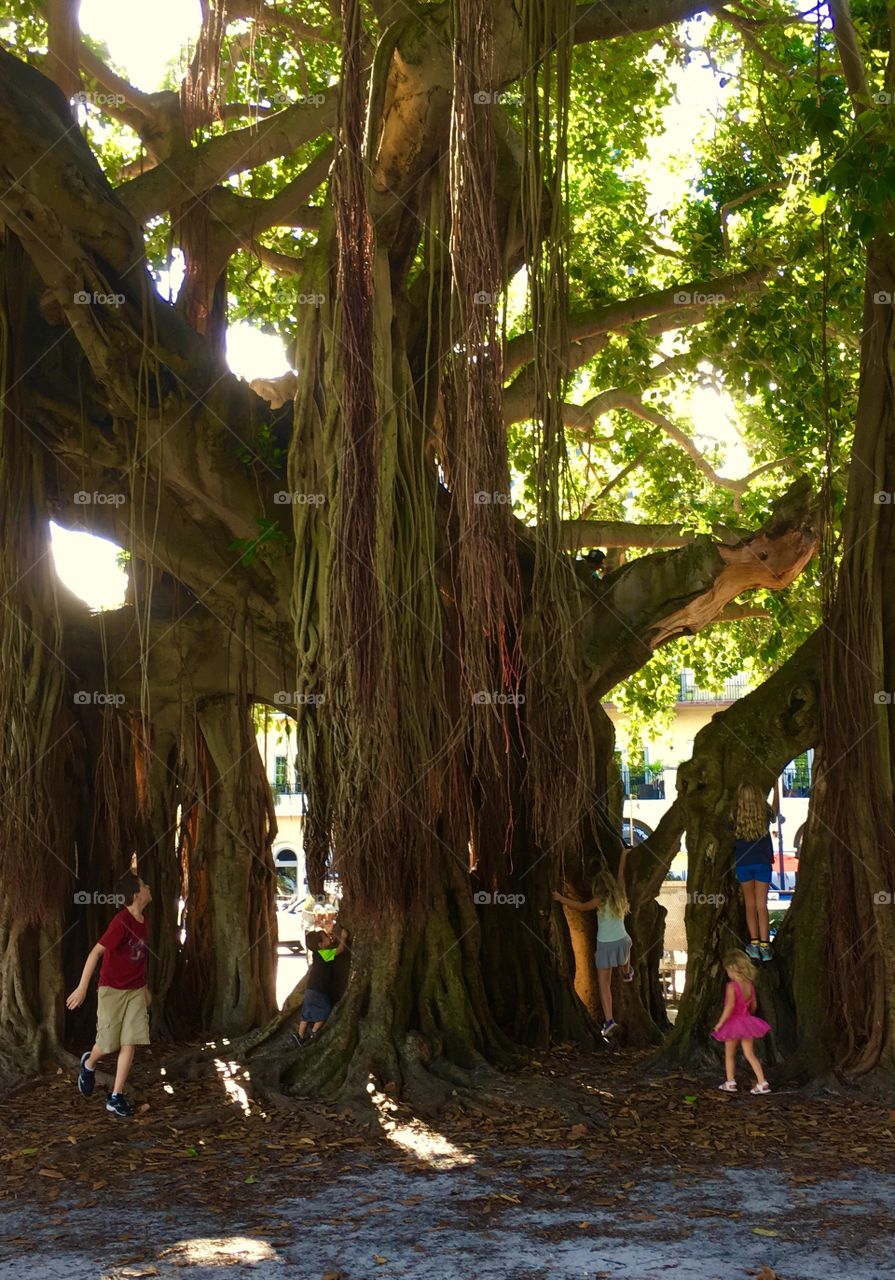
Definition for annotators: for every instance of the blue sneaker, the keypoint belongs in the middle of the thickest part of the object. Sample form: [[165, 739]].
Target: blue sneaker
[[609, 1027], [118, 1104], [753, 950], [86, 1077], [764, 951]]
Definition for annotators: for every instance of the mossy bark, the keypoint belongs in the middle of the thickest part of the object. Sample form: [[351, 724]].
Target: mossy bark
[[752, 740], [228, 962]]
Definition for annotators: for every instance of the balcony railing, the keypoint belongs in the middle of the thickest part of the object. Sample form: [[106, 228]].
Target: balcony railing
[[644, 784], [732, 689], [797, 778]]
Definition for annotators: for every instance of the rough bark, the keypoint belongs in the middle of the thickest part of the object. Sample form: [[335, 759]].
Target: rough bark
[[750, 741]]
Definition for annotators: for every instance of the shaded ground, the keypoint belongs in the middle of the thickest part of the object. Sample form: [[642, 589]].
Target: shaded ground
[[666, 1178]]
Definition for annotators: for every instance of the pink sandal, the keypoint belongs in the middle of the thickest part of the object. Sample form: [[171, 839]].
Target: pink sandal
[[764, 1087], [729, 1086]]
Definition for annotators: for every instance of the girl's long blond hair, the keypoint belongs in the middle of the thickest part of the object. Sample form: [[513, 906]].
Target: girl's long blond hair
[[740, 964], [611, 894], [753, 813]]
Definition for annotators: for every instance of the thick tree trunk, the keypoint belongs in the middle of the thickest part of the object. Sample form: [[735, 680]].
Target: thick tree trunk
[[31, 994], [415, 1017], [849, 1012], [752, 740], [228, 974]]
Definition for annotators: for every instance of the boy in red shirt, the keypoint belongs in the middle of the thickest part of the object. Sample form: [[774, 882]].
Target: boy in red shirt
[[122, 1020]]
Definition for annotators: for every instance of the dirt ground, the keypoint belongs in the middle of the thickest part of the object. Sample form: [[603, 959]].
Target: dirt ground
[[657, 1175]]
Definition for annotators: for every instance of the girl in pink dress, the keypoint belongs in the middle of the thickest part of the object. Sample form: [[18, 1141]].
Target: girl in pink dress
[[738, 1023]]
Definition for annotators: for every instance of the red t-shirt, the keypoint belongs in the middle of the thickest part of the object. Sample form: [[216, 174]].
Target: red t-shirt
[[124, 961]]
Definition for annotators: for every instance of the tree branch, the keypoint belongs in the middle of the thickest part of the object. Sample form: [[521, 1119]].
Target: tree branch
[[619, 533], [606, 21], [648, 414], [659, 597], [682, 302], [850, 55], [745, 28], [264, 16], [63, 39], [201, 168]]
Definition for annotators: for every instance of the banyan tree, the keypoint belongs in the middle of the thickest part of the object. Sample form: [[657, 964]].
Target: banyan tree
[[429, 203]]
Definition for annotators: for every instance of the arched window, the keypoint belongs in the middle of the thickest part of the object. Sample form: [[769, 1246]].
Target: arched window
[[286, 864]]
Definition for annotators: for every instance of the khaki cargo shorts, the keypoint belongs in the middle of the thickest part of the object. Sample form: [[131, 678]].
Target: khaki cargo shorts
[[121, 1018]]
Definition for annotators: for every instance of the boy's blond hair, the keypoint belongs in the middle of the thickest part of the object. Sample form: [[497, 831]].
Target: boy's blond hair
[[753, 813], [741, 965]]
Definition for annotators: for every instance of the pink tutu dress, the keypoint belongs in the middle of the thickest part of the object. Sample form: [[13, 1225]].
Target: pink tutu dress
[[741, 1024]]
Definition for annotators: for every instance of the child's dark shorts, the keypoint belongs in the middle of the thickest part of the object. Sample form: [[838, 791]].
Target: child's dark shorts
[[316, 1008]]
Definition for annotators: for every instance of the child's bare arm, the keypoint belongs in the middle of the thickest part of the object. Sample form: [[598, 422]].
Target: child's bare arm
[[343, 941], [621, 866], [726, 1011], [591, 905], [79, 995]]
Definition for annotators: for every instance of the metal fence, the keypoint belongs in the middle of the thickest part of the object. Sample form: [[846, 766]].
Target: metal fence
[[732, 689]]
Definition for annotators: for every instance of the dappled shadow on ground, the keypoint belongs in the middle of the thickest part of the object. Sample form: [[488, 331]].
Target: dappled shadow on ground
[[659, 1158]]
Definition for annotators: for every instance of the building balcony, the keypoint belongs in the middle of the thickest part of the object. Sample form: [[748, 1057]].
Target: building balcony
[[732, 689]]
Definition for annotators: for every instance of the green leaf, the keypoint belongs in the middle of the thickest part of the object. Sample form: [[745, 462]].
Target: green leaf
[[818, 201]]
